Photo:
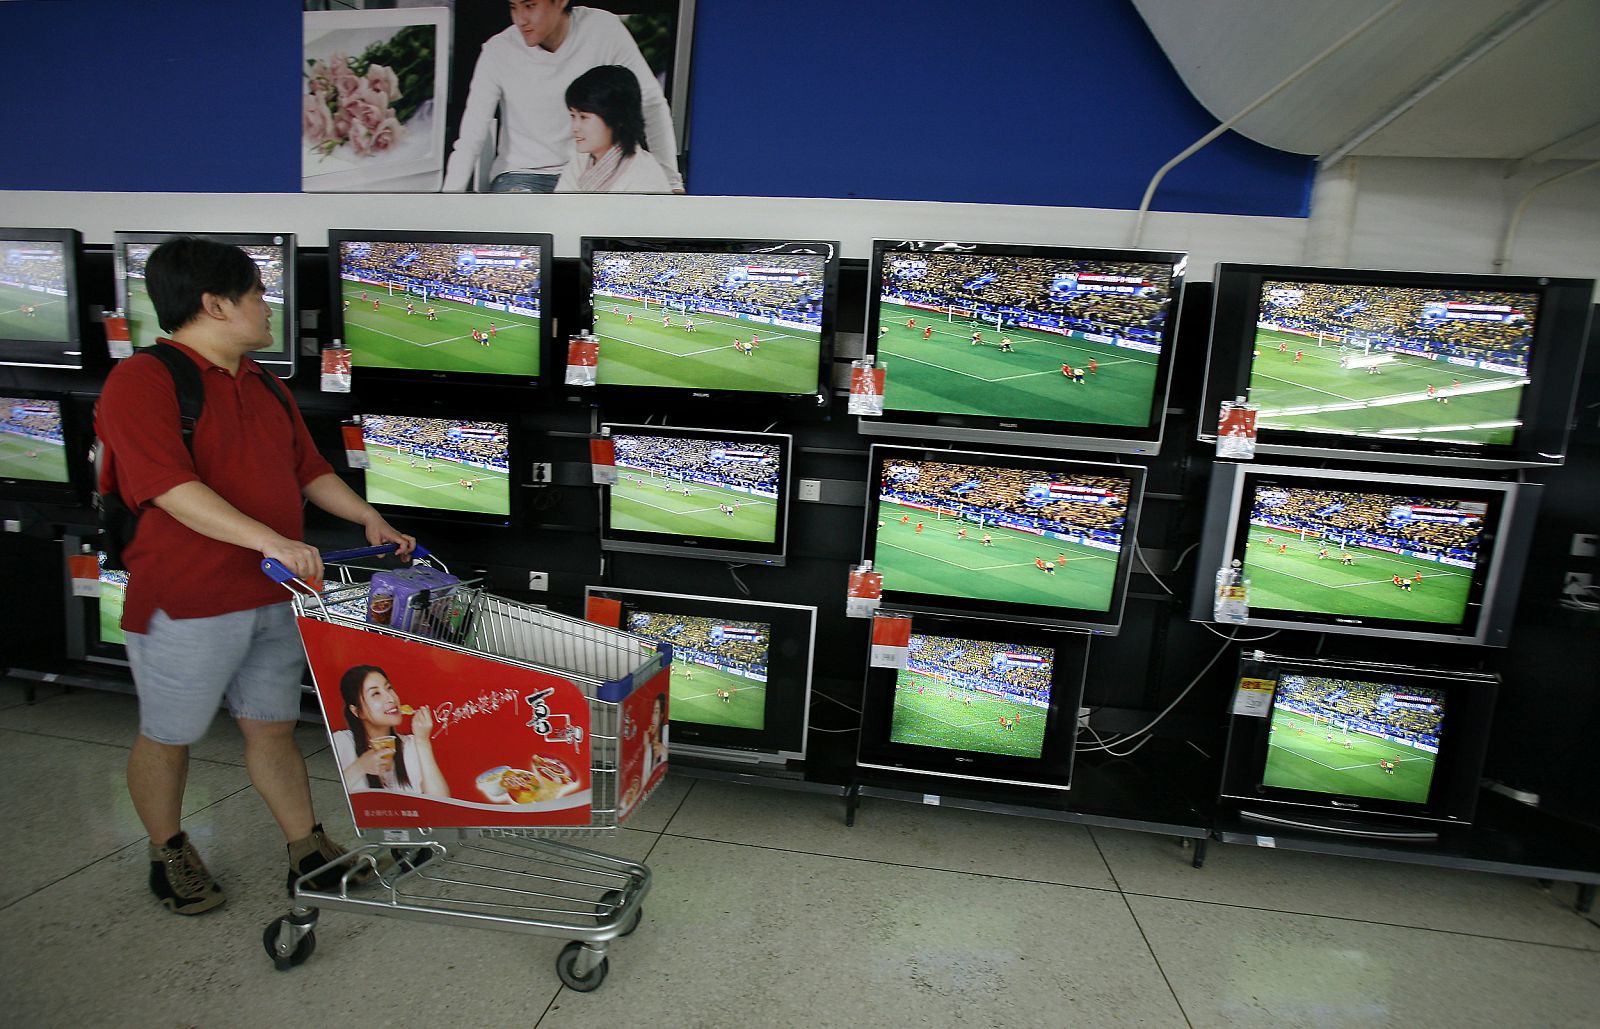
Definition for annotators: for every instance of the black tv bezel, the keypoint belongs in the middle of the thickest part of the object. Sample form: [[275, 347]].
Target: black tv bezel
[[816, 397], [282, 364], [76, 433], [711, 548], [37, 353], [1108, 622], [360, 374], [515, 459], [1492, 599], [998, 429], [1051, 770], [1464, 739], [788, 707], [1556, 356]]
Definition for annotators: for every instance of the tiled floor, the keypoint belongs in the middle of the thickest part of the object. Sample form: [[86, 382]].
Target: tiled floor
[[766, 911]]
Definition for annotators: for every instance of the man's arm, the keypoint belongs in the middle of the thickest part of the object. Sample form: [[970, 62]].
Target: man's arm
[[483, 96], [330, 493], [197, 506]]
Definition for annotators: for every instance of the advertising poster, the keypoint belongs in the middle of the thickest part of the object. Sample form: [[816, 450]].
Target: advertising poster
[[428, 737], [643, 761]]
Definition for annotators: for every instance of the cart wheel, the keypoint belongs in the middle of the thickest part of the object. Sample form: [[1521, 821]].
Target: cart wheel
[[302, 949], [566, 963], [615, 899]]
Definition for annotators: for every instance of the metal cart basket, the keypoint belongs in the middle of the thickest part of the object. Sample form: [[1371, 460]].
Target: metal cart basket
[[512, 879]]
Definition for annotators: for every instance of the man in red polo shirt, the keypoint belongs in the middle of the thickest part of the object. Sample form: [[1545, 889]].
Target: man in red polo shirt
[[202, 623]]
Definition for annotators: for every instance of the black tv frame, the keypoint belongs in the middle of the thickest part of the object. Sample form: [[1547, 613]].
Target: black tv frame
[[66, 354], [515, 459]]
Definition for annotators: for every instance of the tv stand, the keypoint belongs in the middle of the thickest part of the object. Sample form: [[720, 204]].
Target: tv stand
[[1342, 827]]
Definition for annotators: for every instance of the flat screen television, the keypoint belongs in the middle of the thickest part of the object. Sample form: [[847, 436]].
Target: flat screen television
[[1020, 537], [1062, 347], [274, 254], [426, 466], [42, 448], [741, 670], [1444, 368], [1367, 553], [1358, 748], [471, 307], [747, 319], [978, 700], [40, 323], [708, 493], [94, 623]]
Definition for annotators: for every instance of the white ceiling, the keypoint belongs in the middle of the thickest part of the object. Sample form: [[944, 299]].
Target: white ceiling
[[1516, 80]]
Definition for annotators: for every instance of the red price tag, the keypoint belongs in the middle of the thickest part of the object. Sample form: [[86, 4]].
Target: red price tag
[[604, 611], [891, 641], [603, 460]]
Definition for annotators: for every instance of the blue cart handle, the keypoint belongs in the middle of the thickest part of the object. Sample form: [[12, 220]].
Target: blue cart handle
[[280, 573]]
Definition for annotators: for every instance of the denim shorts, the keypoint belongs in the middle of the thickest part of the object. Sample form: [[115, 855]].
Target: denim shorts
[[524, 182], [183, 668]]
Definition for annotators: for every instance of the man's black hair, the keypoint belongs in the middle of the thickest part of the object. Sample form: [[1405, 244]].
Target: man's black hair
[[185, 268], [612, 92]]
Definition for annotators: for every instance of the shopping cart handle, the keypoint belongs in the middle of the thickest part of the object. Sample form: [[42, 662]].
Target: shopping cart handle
[[280, 573]]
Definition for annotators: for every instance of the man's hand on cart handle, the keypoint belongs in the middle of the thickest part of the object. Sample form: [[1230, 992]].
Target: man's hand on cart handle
[[380, 532], [300, 558]]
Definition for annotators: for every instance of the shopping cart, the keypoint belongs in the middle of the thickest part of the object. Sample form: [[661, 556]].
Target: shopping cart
[[498, 677]]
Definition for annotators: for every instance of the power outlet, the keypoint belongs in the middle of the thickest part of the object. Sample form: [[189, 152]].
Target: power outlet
[[541, 472], [809, 489], [1577, 583], [13, 525], [539, 582], [1083, 718], [1583, 544]]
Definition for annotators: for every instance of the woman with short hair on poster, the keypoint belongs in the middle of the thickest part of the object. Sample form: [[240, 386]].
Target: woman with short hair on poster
[[607, 115]]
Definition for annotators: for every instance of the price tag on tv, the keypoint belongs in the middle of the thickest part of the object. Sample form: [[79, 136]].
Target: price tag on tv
[[583, 358], [118, 342], [891, 641], [603, 461], [866, 388], [85, 571], [1253, 698], [355, 447], [1236, 431], [603, 611], [336, 371], [864, 593]]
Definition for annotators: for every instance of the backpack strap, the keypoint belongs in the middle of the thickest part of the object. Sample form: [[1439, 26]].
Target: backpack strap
[[187, 384]]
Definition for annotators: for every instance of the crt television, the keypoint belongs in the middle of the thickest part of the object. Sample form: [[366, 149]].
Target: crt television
[[747, 319], [1036, 346], [452, 468], [708, 493], [1358, 748], [1368, 553], [39, 301], [1430, 367], [741, 669], [431, 306], [1020, 537]]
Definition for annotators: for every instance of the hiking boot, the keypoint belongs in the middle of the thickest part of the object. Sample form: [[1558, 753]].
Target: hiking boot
[[310, 853], [179, 878]]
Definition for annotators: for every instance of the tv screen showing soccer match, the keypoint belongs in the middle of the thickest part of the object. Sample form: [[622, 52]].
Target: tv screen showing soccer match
[[113, 592], [1354, 738], [32, 445], [274, 257], [700, 489], [1026, 536], [973, 695], [38, 302], [719, 666], [1023, 338], [724, 316], [460, 466], [443, 304]]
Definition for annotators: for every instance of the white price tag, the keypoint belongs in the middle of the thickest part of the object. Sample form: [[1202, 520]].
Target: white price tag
[[1253, 698]]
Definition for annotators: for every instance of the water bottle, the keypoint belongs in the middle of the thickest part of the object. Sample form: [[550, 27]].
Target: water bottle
[[1233, 595]]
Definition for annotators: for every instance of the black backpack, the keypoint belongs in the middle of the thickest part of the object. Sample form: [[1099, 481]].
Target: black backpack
[[118, 521]]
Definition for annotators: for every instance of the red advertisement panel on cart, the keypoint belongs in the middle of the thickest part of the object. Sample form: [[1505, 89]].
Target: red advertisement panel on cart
[[643, 760], [429, 737]]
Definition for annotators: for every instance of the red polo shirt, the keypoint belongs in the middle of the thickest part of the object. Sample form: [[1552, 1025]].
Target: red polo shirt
[[246, 448]]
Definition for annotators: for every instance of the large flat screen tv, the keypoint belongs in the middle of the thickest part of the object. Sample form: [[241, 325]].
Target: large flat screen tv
[[1019, 537], [1431, 367], [431, 306], [94, 623], [746, 319], [39, 300], [274, 255], [1062, 347], [453, 468], [43, 449], [1368, 553]]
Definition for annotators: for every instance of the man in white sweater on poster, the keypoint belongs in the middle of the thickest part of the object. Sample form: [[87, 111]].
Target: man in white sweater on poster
[[525, 70]]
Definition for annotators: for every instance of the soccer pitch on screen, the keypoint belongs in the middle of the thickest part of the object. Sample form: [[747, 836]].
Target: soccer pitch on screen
[[643, 501], [1300, 756], [394, 479], [47, 324], [940, 716], [694, 697], [1299, 580], [947, 374], [144, 329], [938, 562], [112, 597], [48, 462], [646, 352], [1315, 394], [386, 336]]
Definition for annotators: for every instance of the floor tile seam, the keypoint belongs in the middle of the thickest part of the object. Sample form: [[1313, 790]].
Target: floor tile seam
[[129, 746], [1104, 860], [1156, 959], [663, 831], [892, 864], [83, 868], [1366, 921]]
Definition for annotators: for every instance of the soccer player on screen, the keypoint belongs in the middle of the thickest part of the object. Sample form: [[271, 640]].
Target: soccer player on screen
[[688, 325], [927, 332], [1346, 560], [411, 309], [630, 318], [666, 321], [755, 341], [1077, 376], [905, 519], [911, 323], [977, 337], [1066, 371], [433, 315], [1283, 347], [347, 305], [374, 305], [1038, 563], [1283, 548], [1005, 345], [1417, 578], [492, 330], [1299, 355], [919, 527], [1322, 554], [1094, 366], [1061, 560], [961, 534], [987, 540]]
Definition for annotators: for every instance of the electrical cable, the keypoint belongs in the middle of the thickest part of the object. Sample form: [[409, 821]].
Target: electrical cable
[[1138, 552], [1125, 737], [738, 582]]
